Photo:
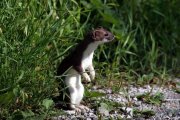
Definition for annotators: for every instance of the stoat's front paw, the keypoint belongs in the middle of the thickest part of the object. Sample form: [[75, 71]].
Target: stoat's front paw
[[86, 77], [92, 75]]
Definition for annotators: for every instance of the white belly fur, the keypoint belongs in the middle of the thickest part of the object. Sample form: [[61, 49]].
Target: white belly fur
[[88, 55], [75, 87], [73, 78]]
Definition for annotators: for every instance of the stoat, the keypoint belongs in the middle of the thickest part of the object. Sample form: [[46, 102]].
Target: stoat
[[75, 65]]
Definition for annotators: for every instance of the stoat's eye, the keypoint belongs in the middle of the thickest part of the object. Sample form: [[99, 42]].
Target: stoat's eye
[[106, 34]]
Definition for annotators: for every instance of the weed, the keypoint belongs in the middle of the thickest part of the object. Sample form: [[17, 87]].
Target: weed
[[156, 99], [143, 113]]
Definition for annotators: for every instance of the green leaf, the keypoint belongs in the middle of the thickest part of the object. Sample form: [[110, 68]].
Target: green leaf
[[27, 113], [16, 90], [143, 113], [47, 103], [97, 3], [151, 99], [177, 90], [6, 98], [21, 115], [94, 94], [104, 105], [105, 108]]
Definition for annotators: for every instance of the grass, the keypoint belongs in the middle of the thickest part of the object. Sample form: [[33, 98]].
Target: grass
[[35, 36], [156, 99], [143, 113]]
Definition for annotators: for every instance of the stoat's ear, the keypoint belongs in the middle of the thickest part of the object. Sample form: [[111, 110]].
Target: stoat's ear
[[96, 34], [93, 35]]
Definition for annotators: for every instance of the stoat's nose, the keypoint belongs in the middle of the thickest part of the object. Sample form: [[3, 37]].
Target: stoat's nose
[[111, 36]]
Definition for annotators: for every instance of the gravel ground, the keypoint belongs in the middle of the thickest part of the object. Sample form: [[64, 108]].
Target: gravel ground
[[169, 109]]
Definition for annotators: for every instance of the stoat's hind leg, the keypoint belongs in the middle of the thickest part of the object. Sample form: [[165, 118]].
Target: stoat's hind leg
[[75, 88], [76, 91], [80, 109], [80, 90], [74, 107]]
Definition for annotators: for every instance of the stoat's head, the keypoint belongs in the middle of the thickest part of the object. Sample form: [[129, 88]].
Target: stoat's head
[[102, 35]]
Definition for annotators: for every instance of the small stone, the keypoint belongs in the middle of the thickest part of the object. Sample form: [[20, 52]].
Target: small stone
[[109, 91], [128, 111], [86, 114], [148, 87], [135, 99], [91, 114], [121, 93], [94, 88], [103, 111], [70, 112], [88, 118]]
